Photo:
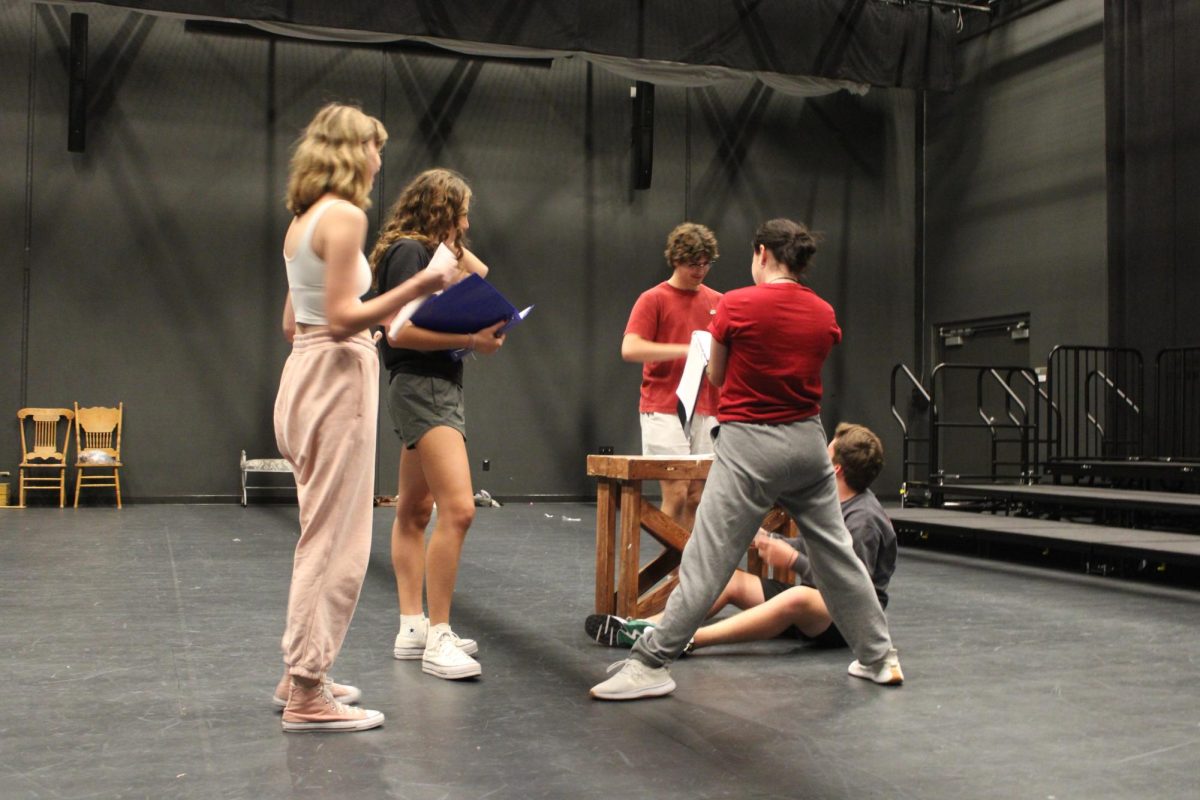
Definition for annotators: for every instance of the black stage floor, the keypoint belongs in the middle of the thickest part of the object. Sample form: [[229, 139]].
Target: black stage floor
[[139, 651]]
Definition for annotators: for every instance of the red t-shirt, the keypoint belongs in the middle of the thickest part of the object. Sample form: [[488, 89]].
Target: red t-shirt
[[778, 335], [668, 315]]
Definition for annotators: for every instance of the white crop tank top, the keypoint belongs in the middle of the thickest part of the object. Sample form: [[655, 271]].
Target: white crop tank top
[[306, 275]]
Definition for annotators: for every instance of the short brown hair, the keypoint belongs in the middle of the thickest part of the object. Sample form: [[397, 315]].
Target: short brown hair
[[690, 243], [859, 453]]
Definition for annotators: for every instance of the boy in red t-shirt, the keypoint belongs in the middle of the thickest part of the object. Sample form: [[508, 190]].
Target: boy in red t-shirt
[[658, 335], [769, 343]]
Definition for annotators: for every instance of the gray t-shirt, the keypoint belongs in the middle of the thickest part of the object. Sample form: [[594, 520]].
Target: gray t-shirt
[[874, 543]]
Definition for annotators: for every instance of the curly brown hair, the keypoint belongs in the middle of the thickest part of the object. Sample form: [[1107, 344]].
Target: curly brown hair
[[428, 209], [329, 157], [859, 452], [690, 243]]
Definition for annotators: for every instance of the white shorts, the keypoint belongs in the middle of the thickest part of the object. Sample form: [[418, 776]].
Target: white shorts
[[662, 435]]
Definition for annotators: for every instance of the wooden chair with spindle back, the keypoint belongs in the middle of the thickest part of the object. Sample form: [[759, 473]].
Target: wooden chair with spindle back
[[48, 454], [98, 448]]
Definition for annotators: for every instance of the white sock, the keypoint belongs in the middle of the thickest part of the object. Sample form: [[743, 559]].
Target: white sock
[[412, 622]]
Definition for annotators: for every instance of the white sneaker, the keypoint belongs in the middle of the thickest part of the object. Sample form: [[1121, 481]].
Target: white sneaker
[[886, 671], [410, 642], [634, 681], [444, 659]]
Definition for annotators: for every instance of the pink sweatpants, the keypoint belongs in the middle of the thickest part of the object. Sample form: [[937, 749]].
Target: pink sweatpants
[[325, 422]]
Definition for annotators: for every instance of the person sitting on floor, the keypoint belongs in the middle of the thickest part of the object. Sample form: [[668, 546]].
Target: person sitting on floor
[[772, 608]]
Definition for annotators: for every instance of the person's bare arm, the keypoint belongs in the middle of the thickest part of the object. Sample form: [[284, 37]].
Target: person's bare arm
[[339, 240], [412, 337], [718, 358], [642, 351], [471, 263], [776, 552]]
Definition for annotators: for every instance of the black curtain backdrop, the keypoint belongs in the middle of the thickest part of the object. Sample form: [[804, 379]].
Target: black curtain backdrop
[[1153, 124], [866, 41], [146, 268]]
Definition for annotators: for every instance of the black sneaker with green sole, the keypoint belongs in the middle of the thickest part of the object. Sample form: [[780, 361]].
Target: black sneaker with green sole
[[613, 631]]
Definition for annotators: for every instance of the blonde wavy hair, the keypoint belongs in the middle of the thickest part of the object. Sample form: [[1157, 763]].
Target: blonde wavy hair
[[329, 158], [428, 209]]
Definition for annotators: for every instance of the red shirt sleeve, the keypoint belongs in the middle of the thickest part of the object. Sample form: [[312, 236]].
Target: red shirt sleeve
[[719, 326], [643, 319]]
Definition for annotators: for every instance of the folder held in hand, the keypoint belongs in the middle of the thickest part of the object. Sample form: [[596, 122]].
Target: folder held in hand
[[466, 307]]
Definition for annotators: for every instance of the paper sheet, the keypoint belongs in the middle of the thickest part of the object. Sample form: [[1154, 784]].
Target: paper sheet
[[693, 374]]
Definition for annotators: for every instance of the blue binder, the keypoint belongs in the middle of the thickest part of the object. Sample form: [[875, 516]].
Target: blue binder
[[468, 306]]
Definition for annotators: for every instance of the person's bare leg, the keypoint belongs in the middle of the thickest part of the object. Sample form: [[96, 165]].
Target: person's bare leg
[[448, 474], [687, 517], [414, 506], [674, 502], [801, 606]]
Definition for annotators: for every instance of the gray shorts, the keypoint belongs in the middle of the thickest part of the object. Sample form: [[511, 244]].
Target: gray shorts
[[418, 404]]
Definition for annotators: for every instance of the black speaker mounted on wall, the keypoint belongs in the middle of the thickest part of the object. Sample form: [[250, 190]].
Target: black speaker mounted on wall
[[642, 94], [77, 99]]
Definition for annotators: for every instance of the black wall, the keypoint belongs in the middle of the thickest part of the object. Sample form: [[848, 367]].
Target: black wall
[[1153, 56], [151, 261], [1015, 178], [1015, 227]]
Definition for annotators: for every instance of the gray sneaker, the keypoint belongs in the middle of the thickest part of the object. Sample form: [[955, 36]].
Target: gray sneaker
[[885, 671], [634, 681]]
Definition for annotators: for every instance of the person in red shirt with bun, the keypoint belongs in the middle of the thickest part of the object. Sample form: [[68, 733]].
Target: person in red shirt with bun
[[770, 341], [658, 335]]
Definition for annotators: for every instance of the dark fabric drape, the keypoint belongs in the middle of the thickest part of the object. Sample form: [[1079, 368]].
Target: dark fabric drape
[[864, 41], [1153, 139]]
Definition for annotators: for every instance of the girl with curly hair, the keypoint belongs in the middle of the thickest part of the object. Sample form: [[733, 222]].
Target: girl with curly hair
[[425, 398]]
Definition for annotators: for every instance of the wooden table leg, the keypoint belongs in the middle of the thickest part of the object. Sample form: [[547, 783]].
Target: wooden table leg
[[631, 537], [655, 600], [606, 521]]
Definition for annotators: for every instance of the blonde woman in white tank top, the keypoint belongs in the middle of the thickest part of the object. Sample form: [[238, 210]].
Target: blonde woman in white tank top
[[325, 412]]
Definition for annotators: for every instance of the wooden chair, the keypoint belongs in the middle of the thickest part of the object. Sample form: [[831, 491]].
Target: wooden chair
[[98, 448], [49, 452]]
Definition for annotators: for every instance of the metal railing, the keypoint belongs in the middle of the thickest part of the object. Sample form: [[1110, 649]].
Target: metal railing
[[1008, 406], [910, 442], [1015, 427], [1007, 423], [1177, 403], [1097, 396], [1034, 387]]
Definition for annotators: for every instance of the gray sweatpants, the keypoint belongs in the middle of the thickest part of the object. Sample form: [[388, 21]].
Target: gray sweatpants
[[756, 467]]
